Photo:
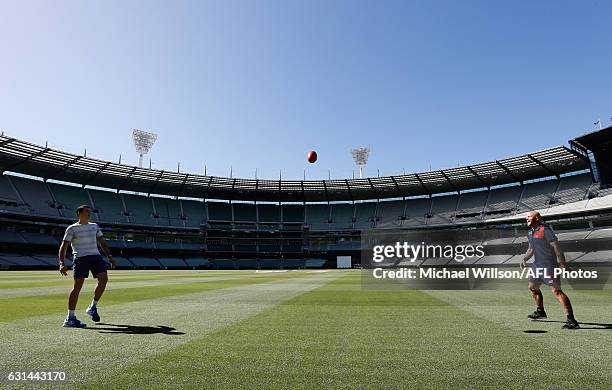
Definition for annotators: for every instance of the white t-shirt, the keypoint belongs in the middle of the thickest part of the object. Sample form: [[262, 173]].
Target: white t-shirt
[[82, 237]]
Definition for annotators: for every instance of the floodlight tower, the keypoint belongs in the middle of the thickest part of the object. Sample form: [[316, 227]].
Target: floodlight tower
[[143, 141], [360, 156]]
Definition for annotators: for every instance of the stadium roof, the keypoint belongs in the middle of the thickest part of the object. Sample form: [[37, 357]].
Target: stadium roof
[[26, 158], [595, 140]]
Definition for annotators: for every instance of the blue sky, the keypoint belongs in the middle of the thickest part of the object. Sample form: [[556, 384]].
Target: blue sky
[[257, 84]]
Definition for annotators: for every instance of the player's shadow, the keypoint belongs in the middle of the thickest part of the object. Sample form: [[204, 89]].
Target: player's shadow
[[133, 329], [594, 325]]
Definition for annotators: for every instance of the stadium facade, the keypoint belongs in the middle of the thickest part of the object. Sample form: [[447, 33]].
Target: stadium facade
[[162, 219]]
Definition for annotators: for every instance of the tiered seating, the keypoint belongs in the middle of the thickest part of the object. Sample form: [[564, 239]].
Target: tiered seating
[[115, 244], [572, 235], [109, 206], [9, 201], [365, 215], [122, 262], [39, 239], [292, 263], [247, 263], [293, 213], [600, 233], [35, 194], [503, 201], [138, 244], [271, 246], [169, 211], [6, 190], [604, 256], [52, 260], [416, 210], [196, 262], [224, 263], [245, 247], [25, 261], [471, 205], [390, 213], [443, 209], [11, 237], [342, 215], [172, 262], [194, 211], [219, 211], [167, 245], [537, 195], [269, 263], [269, 213], [190, 246], [573, 188], [145, 262], [573, 256], [434, 261], [219, 247], [244, 212], [140, 209], [318, 216], [314, 263], [494, 259], [69, 197]]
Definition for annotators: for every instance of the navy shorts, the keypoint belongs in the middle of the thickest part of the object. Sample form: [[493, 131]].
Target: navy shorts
[[82, 265], [548, 280]]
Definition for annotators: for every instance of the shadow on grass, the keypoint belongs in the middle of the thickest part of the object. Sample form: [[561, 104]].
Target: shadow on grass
[[133, 329], [595, 325], [535, 331]]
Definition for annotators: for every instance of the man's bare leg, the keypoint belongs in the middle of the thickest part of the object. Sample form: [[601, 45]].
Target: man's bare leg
[[563, 300], [101, 286], [92, 310], [73, 298], [538, 298]]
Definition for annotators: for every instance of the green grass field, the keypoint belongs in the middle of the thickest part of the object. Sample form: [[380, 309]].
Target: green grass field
[[297, 329]]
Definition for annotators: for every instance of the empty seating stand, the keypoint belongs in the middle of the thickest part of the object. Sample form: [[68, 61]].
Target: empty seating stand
[[197, 262], [36, 196], [145, 262], [314, 263], [140, 209], [168, 262], [109, 206], [292, 263], [318, 216], [269, 263], [69, 198], [194, 212]]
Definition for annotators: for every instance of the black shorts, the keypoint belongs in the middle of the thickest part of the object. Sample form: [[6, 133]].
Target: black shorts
[[82, 265]]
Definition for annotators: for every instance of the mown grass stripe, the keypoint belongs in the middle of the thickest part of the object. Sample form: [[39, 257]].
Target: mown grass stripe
[[339, 336], [64, 285], [17, 308], [88, 355]]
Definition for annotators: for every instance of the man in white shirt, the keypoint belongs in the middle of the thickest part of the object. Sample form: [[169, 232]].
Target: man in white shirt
[[84, 237]]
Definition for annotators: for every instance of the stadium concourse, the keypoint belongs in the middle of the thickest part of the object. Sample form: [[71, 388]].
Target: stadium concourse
[[162, 220]]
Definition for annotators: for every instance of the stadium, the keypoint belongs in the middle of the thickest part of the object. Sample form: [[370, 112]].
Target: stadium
[[156, 219], [302, 194], [242, 245]]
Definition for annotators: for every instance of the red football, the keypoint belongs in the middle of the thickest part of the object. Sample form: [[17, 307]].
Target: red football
[[312, 156]]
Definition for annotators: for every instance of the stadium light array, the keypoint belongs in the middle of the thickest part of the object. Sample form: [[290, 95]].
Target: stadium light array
[[360, 156], [143, 142]]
